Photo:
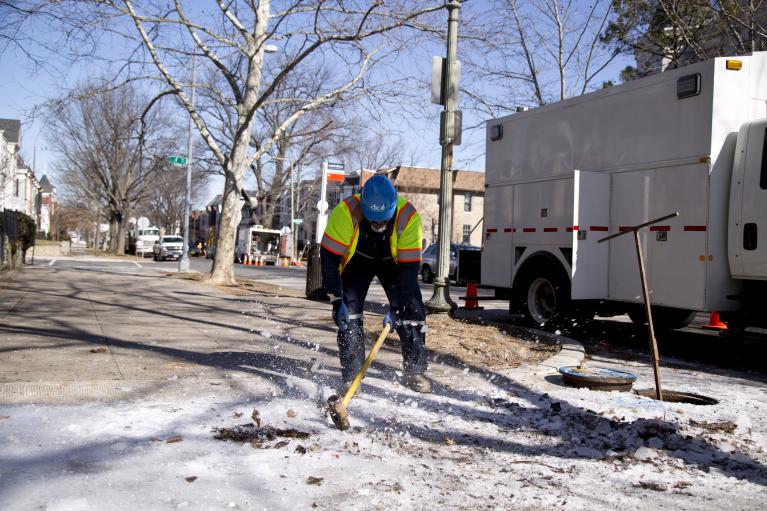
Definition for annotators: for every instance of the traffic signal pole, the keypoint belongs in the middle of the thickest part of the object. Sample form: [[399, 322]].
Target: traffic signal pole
[[440, 300]]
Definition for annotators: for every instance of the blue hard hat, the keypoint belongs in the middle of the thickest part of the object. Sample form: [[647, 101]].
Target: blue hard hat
[[379, 199]]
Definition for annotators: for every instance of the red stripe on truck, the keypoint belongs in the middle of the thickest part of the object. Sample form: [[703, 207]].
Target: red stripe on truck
[[697, 228], [492, 229], [529, 229], [550, 229], [662, 228], [573, 228], [600, 228], [509, 229]]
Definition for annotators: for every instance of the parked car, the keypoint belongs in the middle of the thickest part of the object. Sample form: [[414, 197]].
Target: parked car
[[168, 247], [429, 263]]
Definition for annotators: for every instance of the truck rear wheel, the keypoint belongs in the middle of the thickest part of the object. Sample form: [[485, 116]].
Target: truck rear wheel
[[541, 295], [664, 318]]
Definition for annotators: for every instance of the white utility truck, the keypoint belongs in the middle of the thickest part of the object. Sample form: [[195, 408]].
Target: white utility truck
[[145, 239], [258, 243], [562, 176]]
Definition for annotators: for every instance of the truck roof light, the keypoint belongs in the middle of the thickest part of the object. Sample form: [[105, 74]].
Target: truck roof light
[[734, 65]]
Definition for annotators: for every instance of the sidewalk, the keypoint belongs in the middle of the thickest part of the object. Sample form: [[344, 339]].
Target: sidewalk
[[112, 379]]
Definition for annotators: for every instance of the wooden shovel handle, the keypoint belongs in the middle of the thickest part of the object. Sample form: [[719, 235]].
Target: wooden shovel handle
[[373, 352]]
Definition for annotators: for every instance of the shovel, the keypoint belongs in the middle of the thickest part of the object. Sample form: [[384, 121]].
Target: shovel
[[338, 406]]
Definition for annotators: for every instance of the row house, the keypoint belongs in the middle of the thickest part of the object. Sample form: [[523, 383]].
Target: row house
[[20, 189]]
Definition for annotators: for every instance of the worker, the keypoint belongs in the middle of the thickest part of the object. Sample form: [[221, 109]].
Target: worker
[[376, 234]]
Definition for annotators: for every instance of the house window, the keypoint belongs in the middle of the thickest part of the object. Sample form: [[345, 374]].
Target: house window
[[466, 233], [18, 187], [467, 201]]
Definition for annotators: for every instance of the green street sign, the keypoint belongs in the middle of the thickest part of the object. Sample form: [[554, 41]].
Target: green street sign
[[178, 161], [298, 221]]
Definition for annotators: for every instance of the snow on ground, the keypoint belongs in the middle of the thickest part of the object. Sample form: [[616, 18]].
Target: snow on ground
[[517, 440]]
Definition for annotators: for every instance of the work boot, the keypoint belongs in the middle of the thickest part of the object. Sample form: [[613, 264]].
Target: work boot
[[417, 383]]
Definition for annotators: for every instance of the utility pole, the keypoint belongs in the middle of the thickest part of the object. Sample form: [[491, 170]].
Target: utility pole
[[183, 263], [292, 217], [440, 300]]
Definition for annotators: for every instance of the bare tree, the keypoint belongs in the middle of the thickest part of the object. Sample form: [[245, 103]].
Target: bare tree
[[75, 217], [535, 52], [672, 33], [165, 199], [102, 142], [348, 36]]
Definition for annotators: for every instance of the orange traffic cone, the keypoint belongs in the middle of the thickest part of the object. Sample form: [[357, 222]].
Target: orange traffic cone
[[714, 323], [471, 297]]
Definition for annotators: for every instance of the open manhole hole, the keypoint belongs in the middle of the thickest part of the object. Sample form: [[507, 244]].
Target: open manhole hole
[[673, 396], [597, 378]]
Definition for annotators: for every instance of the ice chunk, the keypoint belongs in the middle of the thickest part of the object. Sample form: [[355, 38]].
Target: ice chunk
[[645, 453], [743, 425]]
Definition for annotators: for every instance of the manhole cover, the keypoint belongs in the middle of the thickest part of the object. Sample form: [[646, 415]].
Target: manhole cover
[[673, 396], [597, 378]]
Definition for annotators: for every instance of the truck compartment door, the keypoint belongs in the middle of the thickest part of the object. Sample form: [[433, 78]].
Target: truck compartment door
[[497, 246], [591, 208], [747, 236], [674, 251]]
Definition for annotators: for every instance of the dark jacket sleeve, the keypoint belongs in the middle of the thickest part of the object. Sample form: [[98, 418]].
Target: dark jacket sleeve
[[331, 275], [406, 282]]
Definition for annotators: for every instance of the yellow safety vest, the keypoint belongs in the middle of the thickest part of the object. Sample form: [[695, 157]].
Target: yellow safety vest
[[342, 231]]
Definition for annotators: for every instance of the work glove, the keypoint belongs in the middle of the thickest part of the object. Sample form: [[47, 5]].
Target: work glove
[[341, 314], [393, 318]]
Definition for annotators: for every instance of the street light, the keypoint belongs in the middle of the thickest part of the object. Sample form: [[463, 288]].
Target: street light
[[183, 263], [440, 300]]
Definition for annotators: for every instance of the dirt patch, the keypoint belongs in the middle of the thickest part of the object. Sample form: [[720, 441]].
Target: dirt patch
[[257, 435], [243, 287], [196, 276], [251, 286], [105, 254], [486, 346]]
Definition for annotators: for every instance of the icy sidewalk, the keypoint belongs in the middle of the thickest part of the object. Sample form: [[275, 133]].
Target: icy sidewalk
[[514, 439]]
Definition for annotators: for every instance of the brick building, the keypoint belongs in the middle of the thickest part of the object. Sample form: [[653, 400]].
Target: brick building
[[421, 187]]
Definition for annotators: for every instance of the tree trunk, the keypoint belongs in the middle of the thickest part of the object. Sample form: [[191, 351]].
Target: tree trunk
[[121, 235], [114, 227], [231, 212]]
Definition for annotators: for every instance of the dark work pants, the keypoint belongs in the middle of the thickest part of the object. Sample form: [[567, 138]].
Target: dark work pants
[[356, 279]]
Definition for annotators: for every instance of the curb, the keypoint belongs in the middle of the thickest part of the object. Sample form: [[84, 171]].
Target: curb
[[571, 354]]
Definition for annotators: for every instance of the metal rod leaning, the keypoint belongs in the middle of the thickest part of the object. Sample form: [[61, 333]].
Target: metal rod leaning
[[646, 294]]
